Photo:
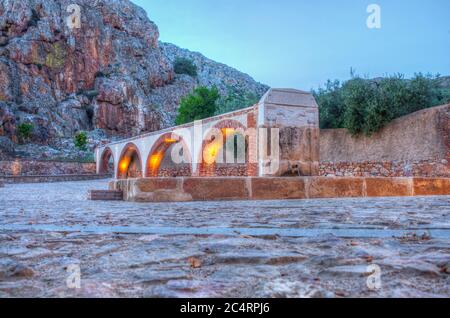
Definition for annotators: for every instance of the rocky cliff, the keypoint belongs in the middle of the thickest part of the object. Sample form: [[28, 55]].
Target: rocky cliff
[[72, 65]]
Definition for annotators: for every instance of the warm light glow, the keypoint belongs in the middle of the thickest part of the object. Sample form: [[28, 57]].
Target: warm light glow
[[227, 131], [16, 168], [124, 163], [211, 152], [170, 141], [155, 161]]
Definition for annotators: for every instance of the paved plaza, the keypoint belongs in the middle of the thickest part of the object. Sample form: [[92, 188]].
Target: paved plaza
[[383, 247]]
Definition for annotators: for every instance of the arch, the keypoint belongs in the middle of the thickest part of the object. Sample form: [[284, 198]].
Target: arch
[[130, 163], [214, 160], [160, 162], [107, 162], [230, 124]]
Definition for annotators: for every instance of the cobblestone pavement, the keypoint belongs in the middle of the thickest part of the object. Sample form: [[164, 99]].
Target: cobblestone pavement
[[220, 249]]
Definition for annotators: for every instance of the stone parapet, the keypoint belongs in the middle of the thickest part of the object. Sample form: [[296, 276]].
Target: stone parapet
[[260, 188]]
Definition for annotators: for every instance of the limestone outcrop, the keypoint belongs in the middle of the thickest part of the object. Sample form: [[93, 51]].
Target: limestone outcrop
[[106, 71]]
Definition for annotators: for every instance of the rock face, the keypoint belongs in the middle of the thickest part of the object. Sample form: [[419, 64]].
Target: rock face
[[106, 72], [6, 147], [211, 73]]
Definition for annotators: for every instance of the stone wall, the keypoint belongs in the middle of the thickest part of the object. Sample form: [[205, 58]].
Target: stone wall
[[424, 168], [219, 170], [229, 170], [415, 145], [175, 171], [45, 168], [49, 179]]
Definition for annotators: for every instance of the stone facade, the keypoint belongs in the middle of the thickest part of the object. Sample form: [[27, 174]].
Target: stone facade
[[45, 168], [295, 114], [424, 168]]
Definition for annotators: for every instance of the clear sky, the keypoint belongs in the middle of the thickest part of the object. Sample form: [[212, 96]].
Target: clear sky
[[302, 43]]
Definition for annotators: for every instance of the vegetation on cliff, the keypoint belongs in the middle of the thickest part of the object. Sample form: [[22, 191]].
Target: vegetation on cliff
[[81, 140], [185, 66], [365, 106], [24, 131], [198, 105]]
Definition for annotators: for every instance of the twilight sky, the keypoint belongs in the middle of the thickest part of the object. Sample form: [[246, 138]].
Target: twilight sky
[[300, 44]]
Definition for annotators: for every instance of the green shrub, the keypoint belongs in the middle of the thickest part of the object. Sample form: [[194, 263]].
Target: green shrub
[[358, 94], [185, 66], [80, 140], [24, 131], [199, 105]]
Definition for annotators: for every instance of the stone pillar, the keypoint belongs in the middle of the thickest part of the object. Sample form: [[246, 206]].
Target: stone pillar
[[294, 116], [97, 159]]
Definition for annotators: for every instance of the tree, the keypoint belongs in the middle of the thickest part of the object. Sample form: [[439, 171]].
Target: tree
[[80, 140], [185, 66], [198, 105], [331, 104], [236, 99]]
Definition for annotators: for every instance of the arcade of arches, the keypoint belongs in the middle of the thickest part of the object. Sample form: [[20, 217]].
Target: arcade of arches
[[226, 146]]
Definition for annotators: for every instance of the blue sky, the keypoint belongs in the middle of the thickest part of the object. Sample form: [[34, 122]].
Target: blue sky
[[300, 44]]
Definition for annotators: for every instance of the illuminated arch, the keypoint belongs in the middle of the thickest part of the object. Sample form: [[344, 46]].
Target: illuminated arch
[[212, 148], [160, 162], [107, 162], [130, 163]]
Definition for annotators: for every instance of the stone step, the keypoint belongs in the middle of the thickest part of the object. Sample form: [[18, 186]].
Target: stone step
[[105, 195]]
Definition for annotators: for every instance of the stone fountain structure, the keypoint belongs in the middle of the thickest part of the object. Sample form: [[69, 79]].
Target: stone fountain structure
[[267, 151]]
